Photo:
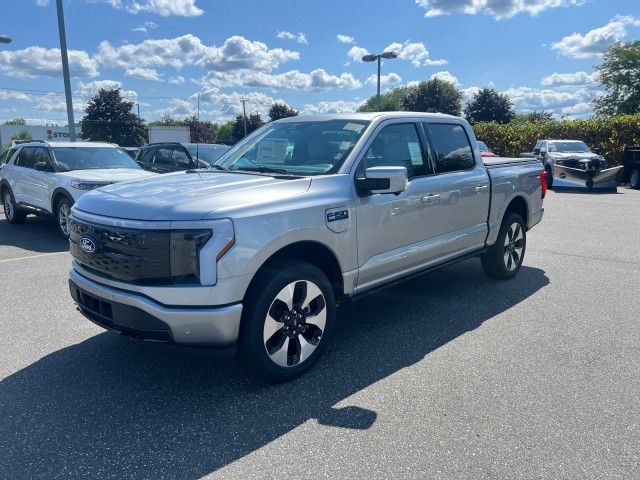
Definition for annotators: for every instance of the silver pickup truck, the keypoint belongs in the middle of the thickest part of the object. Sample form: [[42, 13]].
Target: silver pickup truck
[[255, 253]]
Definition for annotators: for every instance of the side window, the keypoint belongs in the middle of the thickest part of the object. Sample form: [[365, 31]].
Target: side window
[[41, 155], [453, 150], [4, 157], [26, 157], [162, 156], [180, 159], [398, 145]]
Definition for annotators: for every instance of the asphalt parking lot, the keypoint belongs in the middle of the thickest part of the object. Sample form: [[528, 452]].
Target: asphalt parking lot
[[451, 375]]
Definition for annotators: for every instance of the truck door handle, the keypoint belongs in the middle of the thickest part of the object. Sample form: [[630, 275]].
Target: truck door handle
[[482, 189], [430, 198]]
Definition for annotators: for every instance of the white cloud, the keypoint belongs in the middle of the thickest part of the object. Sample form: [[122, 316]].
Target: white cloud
[[414, 52], [593, 43], [238, 53], [316, 80], [384, 79], [164, 8], [563, 79], [582, 109], [32, 62], [174, 52], [55, 102], [300, 37], [177, 80], [89, 89], [356, 53], [447, 77], [495, 8], [345, 38], [42, 3], [14, 95], [144, 74], [339, 106], [145, 27]]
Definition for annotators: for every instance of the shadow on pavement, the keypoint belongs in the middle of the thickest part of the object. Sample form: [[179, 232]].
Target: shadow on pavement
[[37, 234], [111, 408]]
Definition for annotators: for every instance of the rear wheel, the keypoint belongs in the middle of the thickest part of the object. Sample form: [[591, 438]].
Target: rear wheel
[[634, 180], [11, 211], [63, 210], [287, 321], [504, 259]]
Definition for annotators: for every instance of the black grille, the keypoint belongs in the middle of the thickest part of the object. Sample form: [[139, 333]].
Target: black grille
[[132, 255]]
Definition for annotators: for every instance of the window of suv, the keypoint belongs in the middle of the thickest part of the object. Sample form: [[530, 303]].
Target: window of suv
[[398, 145], [6, 155], [89, 158], [453, 149], [26, 157]]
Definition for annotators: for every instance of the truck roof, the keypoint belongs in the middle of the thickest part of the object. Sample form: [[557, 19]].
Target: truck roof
[[367, 116], [35, 143]]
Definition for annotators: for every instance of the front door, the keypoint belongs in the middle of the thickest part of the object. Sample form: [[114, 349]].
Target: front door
[[394, 230]]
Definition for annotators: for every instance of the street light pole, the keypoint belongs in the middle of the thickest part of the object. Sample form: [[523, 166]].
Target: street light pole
[[65, 72], [378, 58]]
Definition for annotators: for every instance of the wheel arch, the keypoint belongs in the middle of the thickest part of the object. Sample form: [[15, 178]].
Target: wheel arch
[[4, 185], [57, 194], [312, 252], [518, 204]]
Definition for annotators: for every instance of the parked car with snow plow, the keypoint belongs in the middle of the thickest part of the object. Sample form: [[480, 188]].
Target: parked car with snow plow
[[254, 254]]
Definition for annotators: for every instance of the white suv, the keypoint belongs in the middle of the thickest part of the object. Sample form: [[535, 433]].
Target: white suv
[[48, 178]]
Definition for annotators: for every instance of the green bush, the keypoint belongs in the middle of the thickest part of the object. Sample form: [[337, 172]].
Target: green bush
[[607, 135]]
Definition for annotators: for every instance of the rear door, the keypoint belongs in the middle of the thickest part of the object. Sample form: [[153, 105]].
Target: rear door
[[466, 190], [42, 182], [22, 180]]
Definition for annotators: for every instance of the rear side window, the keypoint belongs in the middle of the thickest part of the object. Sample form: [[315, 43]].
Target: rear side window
[[452, 148], [162, 156], [26, 158], [6, 155], [180, 158]]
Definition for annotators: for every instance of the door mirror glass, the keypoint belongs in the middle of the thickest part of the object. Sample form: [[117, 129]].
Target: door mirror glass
[[536, 151], [383, 180]]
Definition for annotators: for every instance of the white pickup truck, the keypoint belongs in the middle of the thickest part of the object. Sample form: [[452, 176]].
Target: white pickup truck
[[255, 253]]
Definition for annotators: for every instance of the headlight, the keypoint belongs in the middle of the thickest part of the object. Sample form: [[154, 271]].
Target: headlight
[[195, 252], [86, 185]]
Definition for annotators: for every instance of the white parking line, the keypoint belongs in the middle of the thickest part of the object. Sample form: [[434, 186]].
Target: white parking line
[[32, 256]]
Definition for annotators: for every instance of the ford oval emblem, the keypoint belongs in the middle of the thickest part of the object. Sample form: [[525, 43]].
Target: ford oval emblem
[[87, 244]]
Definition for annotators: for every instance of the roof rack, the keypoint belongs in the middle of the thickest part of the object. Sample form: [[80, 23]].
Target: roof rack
[[19, 142], [163, 143]]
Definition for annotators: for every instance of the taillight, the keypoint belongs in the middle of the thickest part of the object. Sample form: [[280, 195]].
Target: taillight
[[543, 182]]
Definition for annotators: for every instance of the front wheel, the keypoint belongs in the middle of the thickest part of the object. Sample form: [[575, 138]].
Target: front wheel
[[504, 259], [63, 210], [11, 211], [287, 322], [549, 178], [634, 180]]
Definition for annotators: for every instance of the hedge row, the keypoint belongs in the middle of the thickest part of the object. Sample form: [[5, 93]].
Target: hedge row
[[607, 135]]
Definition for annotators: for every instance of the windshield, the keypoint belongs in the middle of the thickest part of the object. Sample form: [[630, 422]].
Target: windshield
[[296, 148], [208, 153], [568, 147], [88, 158]]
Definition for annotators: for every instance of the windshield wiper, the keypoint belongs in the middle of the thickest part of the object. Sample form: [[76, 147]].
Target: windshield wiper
[[263, 169], [218, 167]]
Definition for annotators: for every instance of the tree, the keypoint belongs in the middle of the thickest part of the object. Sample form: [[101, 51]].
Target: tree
[[619, 73], [16, 121], [487, 105], [225, 133], [537, 116], [201, 131], [254, 121], [281, 110], [109, 119], [435, 95], [23, 135], [390, 101]]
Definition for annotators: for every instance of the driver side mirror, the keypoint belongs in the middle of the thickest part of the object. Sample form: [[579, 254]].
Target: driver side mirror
[[42, 167], [382, 180], [536, 151]]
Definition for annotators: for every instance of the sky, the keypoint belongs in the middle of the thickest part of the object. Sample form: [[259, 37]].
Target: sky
[[165, 54]]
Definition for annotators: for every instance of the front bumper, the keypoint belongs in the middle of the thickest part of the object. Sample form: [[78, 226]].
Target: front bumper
[[139, 317]]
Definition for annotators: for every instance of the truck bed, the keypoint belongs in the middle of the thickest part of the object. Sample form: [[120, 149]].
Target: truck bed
[[493, 162]]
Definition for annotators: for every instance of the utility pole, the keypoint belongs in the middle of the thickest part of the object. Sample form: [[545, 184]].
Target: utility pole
[[138, 105], [198, 107], [378, 94], [244, 116], [65, 72], [372, 58]]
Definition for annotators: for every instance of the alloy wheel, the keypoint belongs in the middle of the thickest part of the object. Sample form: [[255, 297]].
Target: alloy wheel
[[63, 217], [513, 246], [8, 206], [295, 323]]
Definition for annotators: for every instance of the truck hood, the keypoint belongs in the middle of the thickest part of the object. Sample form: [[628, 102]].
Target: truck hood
[[107, 175], [188, 196], [570, 155]]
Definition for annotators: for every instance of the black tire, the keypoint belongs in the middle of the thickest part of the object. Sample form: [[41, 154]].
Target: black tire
[[504, 259], [259, 332], [634, 179], [12, 213], [549, 177], [63, 205]]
